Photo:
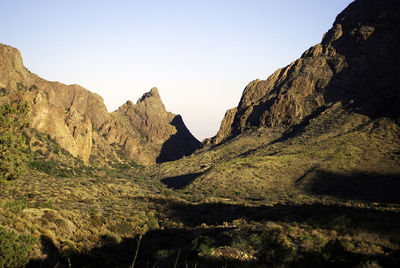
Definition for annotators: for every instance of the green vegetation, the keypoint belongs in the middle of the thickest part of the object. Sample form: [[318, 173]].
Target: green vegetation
[[276, 248], [14, 248], [58, 169], [13, 151], [319, 199], [203, 244]]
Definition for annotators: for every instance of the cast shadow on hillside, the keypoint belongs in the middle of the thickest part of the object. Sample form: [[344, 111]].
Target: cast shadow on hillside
[[158, 248], [181, 144], [316, 214], [369, 187], [352, 187], [179, 182]]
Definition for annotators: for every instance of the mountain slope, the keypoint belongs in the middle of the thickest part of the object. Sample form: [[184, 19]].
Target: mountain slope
[[333, 111], [79, 122], [356, 64]]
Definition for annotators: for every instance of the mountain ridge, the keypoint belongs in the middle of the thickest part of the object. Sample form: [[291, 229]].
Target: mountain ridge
[[79, 122], [345, 67]]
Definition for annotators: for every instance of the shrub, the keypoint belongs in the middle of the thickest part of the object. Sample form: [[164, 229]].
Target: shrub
[[203, 244], [47, 167], [13, 151], [337, 252], [276, 249], [152, 222], [14, 249], [162, 254], [247, 241]]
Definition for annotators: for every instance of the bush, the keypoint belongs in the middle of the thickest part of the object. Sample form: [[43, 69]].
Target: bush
[[14, 249], [47, 167], [162, 254], [337, 252], [276, 249], [203, 244], [152, 222], [247, 241], [13, 150]]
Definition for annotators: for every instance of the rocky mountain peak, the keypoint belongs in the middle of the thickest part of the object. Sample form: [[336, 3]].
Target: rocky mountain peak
[[152, 94], [356, 64], [11, 67], [156, 128], [151, 100], [79, 122]]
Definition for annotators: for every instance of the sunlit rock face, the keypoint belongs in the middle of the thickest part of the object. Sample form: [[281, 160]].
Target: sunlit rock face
[[153, 133], [355, 64], [79, 122]]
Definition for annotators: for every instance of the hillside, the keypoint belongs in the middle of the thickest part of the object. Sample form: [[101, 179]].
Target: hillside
[[333, 111], [305, 172], [78, 121]]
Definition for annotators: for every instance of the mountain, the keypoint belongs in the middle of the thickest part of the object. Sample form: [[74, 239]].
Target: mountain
[[78, 121], [356, 65], [305, 172], [161, 135], [328, 123]]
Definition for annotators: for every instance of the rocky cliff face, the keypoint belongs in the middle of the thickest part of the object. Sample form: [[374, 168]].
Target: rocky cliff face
[[79, 122], [152, 133], [357, 64]]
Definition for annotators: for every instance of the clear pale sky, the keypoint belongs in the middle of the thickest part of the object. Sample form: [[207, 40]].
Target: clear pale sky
[[199, 54]]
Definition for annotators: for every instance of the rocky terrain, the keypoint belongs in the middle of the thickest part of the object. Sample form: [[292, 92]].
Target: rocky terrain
[[159, 134], [356, 64], [79, 122]]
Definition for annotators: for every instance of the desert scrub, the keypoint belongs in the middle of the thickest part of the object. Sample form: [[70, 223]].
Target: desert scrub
[[246, 239], [13, 150], [10, 211], [152, 222], [14, 248], [58, 169]]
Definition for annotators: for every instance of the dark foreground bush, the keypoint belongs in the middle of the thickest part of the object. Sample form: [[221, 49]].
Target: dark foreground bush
[[203, 244], [276, 249]]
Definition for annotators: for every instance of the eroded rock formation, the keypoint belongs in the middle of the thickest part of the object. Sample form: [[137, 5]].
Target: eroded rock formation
[[79, 122], [357, 64]]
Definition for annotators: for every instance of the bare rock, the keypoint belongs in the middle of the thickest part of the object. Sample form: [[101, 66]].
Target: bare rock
[[75, 117], [356, 64], [155, 135]]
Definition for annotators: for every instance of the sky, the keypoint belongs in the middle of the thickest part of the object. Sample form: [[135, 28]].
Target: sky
[[199, 54]]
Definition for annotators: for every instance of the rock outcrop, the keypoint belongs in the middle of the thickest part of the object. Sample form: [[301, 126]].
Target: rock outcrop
[[152, 133], [79, 122], [357, 64]]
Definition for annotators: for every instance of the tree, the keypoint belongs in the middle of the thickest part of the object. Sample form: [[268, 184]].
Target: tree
[[13, 151]]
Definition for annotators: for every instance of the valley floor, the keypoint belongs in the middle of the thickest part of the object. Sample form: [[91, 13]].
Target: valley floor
[[320, 200]]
